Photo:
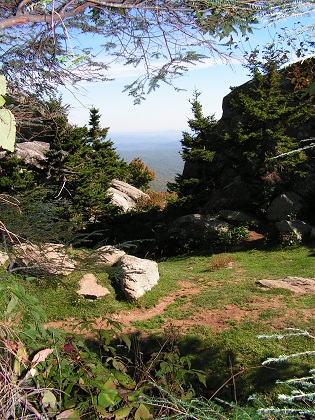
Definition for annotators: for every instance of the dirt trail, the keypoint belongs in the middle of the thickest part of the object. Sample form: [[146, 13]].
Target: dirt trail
[[215, 319]]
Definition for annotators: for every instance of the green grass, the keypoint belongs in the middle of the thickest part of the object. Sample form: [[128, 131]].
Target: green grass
[[232, 348], [218, 288]]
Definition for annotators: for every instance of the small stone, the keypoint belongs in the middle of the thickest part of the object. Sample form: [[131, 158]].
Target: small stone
[[90, 289]]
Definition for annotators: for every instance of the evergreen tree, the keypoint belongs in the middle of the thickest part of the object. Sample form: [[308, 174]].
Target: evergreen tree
[[270, 113], [198, 151], [82, 164], [16, 177], [263, 119]]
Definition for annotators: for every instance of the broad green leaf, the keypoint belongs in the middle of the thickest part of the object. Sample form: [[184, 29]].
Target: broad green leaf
[[12, 304], [7, 130], [126, 340], [3, 85], [109, 384], [2, 100], [108, 398], [122, 413], [142, 413], [125, 380], [49, 400], [69, 414], [201, 378], [119, 365], [102, 411]]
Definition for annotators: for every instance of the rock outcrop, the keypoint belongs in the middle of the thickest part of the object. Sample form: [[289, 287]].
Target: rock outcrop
[[32, 152], [124, 195], [298, 285], [298, 228], [225, 182], [197, 226], [284, 206], [3, 257], [46, 259]]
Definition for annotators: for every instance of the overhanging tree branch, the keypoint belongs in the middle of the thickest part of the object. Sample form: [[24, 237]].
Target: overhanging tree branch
[[35, 36]]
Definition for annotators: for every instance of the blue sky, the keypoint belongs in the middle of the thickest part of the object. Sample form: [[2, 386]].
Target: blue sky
[[165, 109]]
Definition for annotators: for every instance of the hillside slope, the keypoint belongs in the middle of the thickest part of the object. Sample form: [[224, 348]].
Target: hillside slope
[[163, 159]]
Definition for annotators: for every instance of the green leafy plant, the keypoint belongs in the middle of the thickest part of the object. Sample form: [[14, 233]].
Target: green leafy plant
[[21, 396], [289, 239]]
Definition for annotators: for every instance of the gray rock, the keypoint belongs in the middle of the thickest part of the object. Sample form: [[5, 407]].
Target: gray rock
[[124, 195], [297, 285], [197, 226], [121, 200], [132, 192], [284, 206], [239, 217], [107, 254], [46, 258], [90, 289], [32, 152], [301, 229], [137, 276]]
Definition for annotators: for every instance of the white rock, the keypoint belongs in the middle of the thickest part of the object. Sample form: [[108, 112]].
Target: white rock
[[90, 289], [32, 151], [3, 257], [137, 275]]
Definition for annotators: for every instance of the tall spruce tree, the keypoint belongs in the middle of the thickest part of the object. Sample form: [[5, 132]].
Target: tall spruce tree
[[270, 112], [198, 151], [82, 164], [264, 118]]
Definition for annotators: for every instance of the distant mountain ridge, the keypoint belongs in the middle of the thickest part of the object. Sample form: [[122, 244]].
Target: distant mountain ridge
[[162, 158], [148, 145]]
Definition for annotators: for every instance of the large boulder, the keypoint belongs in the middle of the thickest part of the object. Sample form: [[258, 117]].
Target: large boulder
[[198, 226], [124, 195], [239, 218], [298, 228], [137, 276], [3, 257], [284, 206], [46, 258], [299, 285]]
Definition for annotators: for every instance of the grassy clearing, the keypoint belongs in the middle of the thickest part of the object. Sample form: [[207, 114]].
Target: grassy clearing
[[196, 285], [214, 312]]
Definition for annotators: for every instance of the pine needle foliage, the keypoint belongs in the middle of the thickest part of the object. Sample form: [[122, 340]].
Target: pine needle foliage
[[299, 403]]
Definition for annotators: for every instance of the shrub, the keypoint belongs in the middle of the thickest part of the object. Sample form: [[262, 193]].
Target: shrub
[[219, 261], [157, 201]]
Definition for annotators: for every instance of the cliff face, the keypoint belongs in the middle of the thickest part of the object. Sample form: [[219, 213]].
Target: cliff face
[[228, 183]]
